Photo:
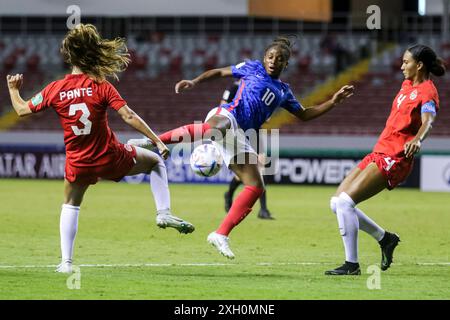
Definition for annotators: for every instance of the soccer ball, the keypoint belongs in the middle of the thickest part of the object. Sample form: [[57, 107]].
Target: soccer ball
[[206, 160]]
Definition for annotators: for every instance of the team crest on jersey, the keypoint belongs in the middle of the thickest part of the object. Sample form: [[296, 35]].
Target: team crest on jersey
[[413, 95], [128, 147]]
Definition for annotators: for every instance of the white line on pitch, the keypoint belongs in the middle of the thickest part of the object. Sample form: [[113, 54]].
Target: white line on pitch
[[202, 265], [434, 264], [168, 265]]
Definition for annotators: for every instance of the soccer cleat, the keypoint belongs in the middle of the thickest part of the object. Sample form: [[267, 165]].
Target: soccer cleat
[[221, 243], [142, 143], [228, 201], [166, 219], [265, 214], [347, 269], [65, 267], [388, 244]]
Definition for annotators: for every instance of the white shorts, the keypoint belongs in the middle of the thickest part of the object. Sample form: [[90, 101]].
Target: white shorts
[[235, 142]]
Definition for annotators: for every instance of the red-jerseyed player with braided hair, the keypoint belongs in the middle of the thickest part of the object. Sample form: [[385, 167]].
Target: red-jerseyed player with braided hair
[[413, 111], [92, 149]]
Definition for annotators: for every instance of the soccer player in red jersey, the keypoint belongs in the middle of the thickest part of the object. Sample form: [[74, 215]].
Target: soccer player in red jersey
[[81, 100], [413, 112]]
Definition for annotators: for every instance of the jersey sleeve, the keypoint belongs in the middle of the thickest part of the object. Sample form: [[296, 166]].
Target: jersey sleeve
[[430, 101], [42, 100], [429, 107], [244, 68], [290, 102], [112, 97]]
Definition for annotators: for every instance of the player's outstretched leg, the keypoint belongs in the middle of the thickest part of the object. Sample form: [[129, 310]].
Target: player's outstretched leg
[[241, 207], [356, 187], [221, 243], [387, 245], [144, 142], [165, 219], [149, 162], [190, 132]]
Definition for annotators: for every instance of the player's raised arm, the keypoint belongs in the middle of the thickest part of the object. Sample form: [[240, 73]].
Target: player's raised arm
[[136, 122], [310, 113], [14, 85], [205, 76]]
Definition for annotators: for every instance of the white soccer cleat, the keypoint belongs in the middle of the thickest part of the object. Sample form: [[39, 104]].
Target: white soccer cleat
[[142, 143], [221, 243], [166, 219], [65, 267]]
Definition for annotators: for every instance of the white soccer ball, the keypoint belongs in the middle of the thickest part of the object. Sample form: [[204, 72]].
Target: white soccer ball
[[206, 160]]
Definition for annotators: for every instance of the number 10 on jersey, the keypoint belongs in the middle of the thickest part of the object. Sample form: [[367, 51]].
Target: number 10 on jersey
[[268, 97]]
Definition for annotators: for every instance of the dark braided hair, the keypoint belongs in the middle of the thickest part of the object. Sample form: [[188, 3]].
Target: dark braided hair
[[428, 57], [284, 43]]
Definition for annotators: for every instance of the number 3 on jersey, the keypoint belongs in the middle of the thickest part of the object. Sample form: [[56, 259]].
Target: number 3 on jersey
[[83, 119]]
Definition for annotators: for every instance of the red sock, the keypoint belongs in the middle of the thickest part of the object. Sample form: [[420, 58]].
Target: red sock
[[240, 209], [194, 131]]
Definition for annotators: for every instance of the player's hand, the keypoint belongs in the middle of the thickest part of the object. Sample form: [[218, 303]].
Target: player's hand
[[184, 85], [344, 93], [14, 82], [412, 147], [163, 150]]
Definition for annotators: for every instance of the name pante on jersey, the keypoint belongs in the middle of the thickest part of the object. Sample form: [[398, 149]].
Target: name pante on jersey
[[75, 93]]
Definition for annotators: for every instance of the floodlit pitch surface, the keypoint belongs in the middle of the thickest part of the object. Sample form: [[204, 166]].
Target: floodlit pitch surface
[[123, 255]]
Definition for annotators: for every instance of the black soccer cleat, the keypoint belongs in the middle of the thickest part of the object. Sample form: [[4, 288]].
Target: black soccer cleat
[[388, 244], [347, 269], [228, 201], [265, 214]]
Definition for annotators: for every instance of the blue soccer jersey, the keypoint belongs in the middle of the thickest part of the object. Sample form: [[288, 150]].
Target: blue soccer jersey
[[258, 95]]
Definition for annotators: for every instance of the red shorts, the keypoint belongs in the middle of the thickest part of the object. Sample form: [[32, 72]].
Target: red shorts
[[118, 165], [394, 169]]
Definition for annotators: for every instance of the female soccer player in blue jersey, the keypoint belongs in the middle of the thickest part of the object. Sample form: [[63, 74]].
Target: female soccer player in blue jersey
[[260, 93]]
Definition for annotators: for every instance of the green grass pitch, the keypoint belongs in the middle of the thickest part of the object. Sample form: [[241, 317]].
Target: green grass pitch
[[123, 255]]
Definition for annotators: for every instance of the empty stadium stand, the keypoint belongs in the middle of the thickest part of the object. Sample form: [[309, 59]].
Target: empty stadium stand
[[159, 62]]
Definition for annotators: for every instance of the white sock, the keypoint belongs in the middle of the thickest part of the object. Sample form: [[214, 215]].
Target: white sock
[[68, 226], [368, 225], [365, 223], [348, 226], [160, 186]]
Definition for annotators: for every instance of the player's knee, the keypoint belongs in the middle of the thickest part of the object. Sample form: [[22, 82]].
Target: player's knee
[[161, 163], [333, 204], [158, 165], [153, 160], [259, 183], [259, 190], [256, 185]]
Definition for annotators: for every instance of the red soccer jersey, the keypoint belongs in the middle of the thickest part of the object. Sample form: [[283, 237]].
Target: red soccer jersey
[[405, 118], [81, 105]]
